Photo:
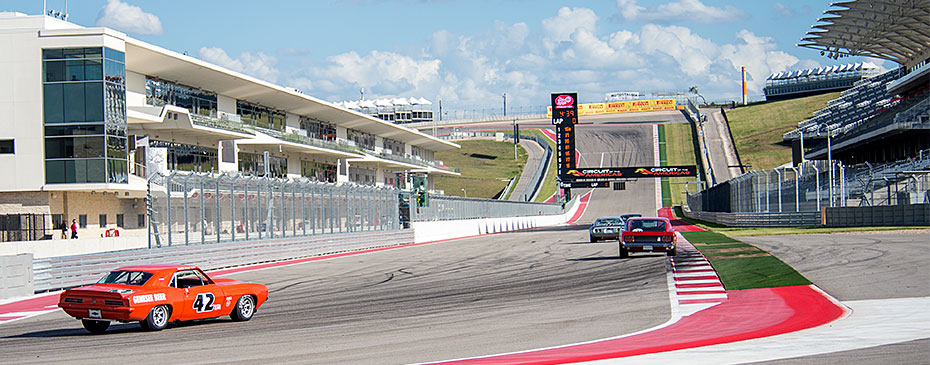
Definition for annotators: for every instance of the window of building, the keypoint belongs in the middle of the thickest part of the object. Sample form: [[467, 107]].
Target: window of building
[[140, 220], [82, 220], [362, 139], [261, 116], [6, 146], [254, 164], [161, 92], [318, 171], [103, 220], [317, 129], [119, 220], [396, 147], [58, 221], [84, 105], [185, 157]]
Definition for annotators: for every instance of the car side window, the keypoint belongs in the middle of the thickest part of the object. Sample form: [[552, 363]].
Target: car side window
[[187, 278]]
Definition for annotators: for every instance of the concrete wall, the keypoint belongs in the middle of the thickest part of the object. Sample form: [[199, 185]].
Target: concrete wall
[[16, 276], [886, 215], [444, 230], [81, 246]]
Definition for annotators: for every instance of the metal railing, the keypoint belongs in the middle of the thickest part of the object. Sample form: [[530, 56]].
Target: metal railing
[[444, 207], [220, 123], [192, 208]]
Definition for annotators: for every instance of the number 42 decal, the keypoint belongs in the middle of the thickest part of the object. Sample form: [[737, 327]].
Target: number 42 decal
[[204, 303]]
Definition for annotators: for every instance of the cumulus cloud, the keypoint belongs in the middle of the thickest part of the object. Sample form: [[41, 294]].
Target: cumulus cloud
[[259, 65], [128, 18], [473, 70], [680, 10]]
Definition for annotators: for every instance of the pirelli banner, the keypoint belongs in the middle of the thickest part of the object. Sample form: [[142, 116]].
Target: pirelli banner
[[629, 106], [614, 173]]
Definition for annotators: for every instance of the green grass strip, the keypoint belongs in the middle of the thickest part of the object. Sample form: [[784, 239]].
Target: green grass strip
[[720, 246], [707, 237], [663, 161], [732, 253], [755, 272]]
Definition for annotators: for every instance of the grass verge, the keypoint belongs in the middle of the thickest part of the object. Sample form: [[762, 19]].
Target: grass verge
[[484, 164], [679, 149], [758, 129], [738, 273]]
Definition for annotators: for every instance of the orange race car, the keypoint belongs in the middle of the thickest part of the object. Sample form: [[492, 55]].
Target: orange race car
[[154, 295]]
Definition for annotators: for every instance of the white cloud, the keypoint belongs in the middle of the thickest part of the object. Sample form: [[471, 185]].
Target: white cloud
[[128, 18], [382, 73], [679, 10], [258, 65]]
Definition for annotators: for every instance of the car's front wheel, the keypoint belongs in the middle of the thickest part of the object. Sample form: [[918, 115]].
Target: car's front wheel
[[624, 253], [94, 326], [244, 310], [157, 319]]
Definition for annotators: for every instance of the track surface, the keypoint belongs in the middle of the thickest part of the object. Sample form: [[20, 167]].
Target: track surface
[[454, 299], [860, 266]]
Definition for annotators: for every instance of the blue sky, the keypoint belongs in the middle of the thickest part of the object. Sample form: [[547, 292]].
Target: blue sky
[[469, 52]]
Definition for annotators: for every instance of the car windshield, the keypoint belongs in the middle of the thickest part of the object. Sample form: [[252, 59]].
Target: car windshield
[[628, 216], [607, 222], [647, 225], [126, 277]]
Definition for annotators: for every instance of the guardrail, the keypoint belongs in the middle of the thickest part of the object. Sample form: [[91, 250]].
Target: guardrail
[[65, 272], [794, 219]]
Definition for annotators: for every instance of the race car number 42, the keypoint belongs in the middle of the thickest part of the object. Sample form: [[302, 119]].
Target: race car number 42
[[204, 303]]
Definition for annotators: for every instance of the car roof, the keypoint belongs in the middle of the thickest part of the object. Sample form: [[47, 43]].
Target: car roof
[[156, 268], [599, 218], [651, 219]]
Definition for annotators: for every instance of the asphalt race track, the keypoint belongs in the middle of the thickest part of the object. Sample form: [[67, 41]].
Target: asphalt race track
[[441, 301]]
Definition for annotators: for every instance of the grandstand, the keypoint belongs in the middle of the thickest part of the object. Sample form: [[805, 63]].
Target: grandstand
[[881, 118], [397, 110], [814, 81]]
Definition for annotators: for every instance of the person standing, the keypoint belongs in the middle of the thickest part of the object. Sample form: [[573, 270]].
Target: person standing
[[64, 230], [74, 229]]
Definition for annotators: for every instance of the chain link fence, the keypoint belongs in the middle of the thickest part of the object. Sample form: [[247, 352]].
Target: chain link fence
[[190, 208], [814, 185]]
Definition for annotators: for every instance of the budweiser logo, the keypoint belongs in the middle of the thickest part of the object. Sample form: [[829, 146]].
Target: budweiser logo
[[564, 101]]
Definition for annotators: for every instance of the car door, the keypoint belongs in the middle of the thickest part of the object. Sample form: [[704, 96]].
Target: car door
[[202, 298]]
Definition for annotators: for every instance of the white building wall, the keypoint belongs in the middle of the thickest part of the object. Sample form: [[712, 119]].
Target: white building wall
[[135, 89], [225, 104]]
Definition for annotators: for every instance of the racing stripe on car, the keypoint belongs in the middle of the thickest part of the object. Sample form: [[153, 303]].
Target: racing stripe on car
[[697, 286]]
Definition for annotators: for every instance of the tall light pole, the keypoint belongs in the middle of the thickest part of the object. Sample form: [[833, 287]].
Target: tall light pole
[[466, 192], [505, 104]]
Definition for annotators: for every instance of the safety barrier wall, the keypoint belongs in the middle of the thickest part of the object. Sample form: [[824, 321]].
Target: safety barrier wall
[[15, 276], [890, 215], [64, 272], [447, 207], [425, 231]]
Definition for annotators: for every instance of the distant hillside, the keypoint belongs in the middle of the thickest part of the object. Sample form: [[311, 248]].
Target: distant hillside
[[758, 129]]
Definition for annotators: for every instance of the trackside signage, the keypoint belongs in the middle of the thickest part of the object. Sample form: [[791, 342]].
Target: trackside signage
[[612, 173], [564, 117]]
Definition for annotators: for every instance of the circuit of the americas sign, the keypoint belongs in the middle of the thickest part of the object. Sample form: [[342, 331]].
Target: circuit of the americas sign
[[614, 173]]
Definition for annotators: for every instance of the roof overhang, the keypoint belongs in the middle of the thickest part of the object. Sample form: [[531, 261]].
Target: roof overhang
[[174, 123], [893, 30], [152, 60]]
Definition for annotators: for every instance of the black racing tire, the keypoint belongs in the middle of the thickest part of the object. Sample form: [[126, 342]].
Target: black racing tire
[[244, 310], [624, 253], [94, 326], [157, 319], [672, 252], [593, 239]]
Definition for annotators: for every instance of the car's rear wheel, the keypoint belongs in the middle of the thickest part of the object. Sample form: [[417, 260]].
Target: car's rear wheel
[[593, 239], [244, 309], [94, 326], [157, 319], [624, 253], [672, 252]]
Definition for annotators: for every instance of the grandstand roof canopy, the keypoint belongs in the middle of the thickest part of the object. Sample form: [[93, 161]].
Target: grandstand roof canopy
[[894, 30], [819, 71]]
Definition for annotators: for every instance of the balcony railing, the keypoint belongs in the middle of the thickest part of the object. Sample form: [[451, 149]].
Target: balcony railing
[[305, 140], [220, 123]]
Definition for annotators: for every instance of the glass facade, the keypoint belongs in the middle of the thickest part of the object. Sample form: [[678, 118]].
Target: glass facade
[[160, 92], [317, 129], [316, 171], [254, 164], [84, 105], [185, 157], [396, 147], [261, 116], [362, 139]]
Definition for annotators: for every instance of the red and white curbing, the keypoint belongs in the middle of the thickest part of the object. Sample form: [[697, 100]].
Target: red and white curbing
[[694, 284]]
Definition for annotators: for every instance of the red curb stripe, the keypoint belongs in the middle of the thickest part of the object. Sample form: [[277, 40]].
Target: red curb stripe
[[694, 271], [688, 278], [747, 314], [721, 291], [702, 301], [701, 285]]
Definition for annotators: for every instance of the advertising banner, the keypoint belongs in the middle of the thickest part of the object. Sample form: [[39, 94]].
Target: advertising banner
[[614, 173], [629, 106]]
